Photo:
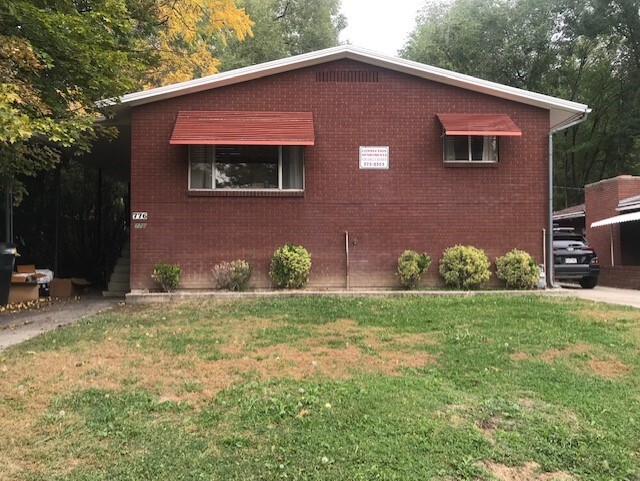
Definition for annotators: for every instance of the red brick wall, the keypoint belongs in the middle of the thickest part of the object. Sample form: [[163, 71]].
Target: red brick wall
[[601, 200], [419, 203], [626, 277]]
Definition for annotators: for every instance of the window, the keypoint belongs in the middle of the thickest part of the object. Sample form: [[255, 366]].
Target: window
[[246, 167], [470, 148]]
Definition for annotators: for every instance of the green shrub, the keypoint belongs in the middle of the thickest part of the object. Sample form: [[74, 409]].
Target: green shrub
[[411, 265], [518, 270], [290, 266], [167, 275], [464, 267], [233, 275]]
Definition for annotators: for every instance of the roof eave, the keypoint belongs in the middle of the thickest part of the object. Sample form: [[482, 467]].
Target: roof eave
[[561, 111]]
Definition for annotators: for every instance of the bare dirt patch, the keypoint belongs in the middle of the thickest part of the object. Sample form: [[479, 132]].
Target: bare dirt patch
[[530, 471], [608, 368], [519, 356], [579, 348]]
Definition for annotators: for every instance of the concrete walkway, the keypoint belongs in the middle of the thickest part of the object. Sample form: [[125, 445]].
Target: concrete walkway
[[20, 326], [626, 297], [612, 295]]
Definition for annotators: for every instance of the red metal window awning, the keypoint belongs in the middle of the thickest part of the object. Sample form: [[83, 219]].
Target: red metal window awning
[[479, 124], [243, 128]]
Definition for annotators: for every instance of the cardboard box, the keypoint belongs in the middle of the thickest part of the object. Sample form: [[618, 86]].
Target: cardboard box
[[26, 269], [68, 287], [24, 285], [23, 292]]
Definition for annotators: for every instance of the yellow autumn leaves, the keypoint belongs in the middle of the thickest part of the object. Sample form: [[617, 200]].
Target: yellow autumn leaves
[[184, 42]]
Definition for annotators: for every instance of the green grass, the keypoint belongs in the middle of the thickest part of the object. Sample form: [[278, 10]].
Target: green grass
[[136, 393]]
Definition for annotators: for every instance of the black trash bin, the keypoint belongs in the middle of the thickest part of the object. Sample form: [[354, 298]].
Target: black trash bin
[[7, 259]]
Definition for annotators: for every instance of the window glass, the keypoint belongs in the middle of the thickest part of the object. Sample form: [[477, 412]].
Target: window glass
[[490, 149], [246, 167], [456, 148], [465, 148], [292, 177], [201, 167], [477, 147]]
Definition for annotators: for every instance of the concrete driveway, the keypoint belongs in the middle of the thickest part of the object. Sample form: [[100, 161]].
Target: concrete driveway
[[20, 326], [612, 295]]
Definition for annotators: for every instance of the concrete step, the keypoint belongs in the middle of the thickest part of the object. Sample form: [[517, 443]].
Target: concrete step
[[119, 276], [122, 268], [113, 294], [121, 286]]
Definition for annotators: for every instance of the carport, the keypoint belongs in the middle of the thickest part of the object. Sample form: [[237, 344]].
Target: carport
[[73, 220]]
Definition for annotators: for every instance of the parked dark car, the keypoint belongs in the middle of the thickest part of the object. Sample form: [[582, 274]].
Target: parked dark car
[[574, 259]]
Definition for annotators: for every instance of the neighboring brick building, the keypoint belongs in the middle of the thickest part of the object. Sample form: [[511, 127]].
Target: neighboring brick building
[[615, 203], [237, 164]]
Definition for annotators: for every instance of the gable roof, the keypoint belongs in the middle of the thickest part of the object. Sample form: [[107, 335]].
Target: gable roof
[[562, 112]]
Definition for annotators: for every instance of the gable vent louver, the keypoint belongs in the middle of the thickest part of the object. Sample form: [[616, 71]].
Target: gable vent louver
[[347, 76]]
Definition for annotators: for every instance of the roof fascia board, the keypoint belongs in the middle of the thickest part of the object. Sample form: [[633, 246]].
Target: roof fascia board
[[233, 76], [563, 110]]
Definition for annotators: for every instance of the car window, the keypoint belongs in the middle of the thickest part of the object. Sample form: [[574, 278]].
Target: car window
[[564, 243]]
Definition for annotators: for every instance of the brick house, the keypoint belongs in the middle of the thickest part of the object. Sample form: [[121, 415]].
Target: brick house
[[612, 211], [397, 154]]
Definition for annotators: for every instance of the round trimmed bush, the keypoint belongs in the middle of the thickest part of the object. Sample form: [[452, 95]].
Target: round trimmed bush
[[464, 267], [518, 270], [290, 266], [166, 275], [411, 265], [233, 276]]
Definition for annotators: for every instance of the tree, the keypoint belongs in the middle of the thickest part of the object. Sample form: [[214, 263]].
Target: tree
[[189, 28], [59, 57], [51, 75], [505, 41], [284, 28], [584, 51]]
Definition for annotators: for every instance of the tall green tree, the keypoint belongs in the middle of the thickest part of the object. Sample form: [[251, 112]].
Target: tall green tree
[[59, 57], [283, 28], [586, 51], [56, 60]]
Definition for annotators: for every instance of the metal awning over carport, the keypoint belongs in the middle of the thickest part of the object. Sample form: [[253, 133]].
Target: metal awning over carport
[[243, 128], [611, 221], [617, 219], [499, 125]]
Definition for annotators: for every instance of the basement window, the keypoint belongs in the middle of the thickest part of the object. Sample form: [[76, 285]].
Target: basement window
[[246, 167]]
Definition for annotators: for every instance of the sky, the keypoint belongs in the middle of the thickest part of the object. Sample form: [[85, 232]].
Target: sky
[[379, 26]]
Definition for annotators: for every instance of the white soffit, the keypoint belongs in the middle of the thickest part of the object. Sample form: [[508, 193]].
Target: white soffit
[[618, 219], [561, 111]]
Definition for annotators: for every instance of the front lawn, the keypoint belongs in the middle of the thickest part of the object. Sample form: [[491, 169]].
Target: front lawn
[[485, 387]]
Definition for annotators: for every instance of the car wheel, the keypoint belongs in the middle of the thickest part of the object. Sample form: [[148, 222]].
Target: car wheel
[[588, 282]]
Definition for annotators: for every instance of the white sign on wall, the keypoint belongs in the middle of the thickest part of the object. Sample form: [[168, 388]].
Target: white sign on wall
[[139, 216], [372, 157]]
